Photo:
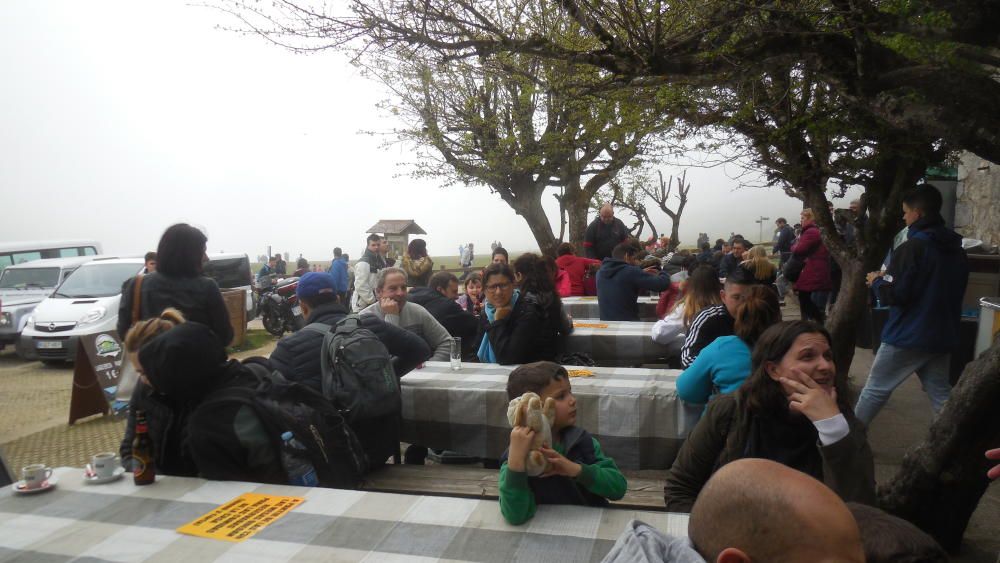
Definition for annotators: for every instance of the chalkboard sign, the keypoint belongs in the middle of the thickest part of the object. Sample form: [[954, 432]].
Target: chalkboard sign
[[96, 371]]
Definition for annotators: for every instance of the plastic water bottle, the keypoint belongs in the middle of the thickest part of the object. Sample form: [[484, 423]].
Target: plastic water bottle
[[300, 472]]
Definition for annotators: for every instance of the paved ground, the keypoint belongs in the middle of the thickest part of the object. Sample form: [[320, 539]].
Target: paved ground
[[34, 406]]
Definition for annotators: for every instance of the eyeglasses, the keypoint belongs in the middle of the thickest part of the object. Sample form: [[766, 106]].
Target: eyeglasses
[[498, 287]]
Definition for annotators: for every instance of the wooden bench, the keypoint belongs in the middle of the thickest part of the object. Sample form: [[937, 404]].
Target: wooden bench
[[645, 487]]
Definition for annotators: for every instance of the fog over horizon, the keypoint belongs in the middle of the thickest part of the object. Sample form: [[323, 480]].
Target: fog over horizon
[[123, 118]]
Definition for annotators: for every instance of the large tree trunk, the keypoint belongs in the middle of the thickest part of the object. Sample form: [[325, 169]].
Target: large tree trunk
[[846, 314], [540, 227], [941, 480], [577, 209], [675, 225]]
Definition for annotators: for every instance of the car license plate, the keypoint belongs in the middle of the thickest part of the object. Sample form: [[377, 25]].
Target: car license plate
[[297, 311], [49, 344]]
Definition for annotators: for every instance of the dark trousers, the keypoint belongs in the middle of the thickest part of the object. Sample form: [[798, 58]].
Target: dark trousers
[[810, 309]]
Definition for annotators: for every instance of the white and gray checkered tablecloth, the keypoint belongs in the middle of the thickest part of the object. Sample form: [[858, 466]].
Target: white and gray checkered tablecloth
[[587, 307], [621, 343], [120, 522], [634, 413]]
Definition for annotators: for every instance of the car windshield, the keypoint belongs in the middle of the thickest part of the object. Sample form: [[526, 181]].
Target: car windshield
[[99, 280], [25, 278]]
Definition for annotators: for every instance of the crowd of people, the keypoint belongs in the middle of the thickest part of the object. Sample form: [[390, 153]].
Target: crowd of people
[[779, 436]]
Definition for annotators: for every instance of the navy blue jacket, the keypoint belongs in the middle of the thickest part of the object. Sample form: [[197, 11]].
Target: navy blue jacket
[[618, 287], [928, 276]]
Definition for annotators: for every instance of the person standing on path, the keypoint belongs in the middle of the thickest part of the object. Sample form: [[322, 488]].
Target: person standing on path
[[604, 233], [923, 287], [364, 274], [814, 282]]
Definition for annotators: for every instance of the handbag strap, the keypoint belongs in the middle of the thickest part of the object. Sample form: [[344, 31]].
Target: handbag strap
[[137, 299]]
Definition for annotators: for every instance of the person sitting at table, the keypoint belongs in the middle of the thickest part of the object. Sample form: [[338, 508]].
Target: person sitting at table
[[792, 410], [472, 300], [620, 280], [580, 473], [575, 266], [535, 276], [724, 365], [166, 423], [439, 299], [701, 290], [298, 356], [715, 321], [514, 327], [760, 510]]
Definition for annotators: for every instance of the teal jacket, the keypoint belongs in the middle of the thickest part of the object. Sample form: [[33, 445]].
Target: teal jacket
[[721, 367]]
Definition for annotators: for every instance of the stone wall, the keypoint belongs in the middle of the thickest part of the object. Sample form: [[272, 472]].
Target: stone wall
[[977, 212]]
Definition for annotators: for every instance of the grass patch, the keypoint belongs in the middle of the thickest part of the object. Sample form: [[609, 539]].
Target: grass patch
[[254, 339]]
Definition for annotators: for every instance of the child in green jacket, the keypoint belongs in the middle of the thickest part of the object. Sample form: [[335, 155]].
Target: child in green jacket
[[580, 472]]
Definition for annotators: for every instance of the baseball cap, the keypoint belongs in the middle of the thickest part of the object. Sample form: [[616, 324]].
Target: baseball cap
[[314, 283]]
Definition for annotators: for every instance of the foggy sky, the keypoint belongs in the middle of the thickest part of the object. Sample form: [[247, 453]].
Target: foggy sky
[[121, 118]]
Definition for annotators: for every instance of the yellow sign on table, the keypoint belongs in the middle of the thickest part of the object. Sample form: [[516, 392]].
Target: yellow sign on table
[[590, 325], [580, 373], [241, 517]]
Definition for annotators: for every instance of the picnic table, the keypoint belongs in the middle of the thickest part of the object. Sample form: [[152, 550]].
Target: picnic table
[[621, 343], [122, 522], [587, 307], [634, 413]]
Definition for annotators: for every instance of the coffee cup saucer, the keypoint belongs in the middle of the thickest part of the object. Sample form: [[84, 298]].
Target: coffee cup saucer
[[96, 480], [21, 489]]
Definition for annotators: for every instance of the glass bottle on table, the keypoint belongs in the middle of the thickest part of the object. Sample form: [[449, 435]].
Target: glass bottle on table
[[143, 464]]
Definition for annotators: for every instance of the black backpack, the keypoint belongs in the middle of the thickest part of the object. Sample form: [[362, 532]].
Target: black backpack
[[357, 371], [331, 447]]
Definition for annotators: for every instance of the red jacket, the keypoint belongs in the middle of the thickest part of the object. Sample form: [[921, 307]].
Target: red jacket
[[576, 268], [816, 275]]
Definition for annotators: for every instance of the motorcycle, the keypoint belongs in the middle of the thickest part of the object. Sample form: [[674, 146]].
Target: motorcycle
[[278, 305]]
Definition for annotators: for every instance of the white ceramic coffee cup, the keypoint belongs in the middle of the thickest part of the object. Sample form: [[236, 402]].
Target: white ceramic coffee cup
[[105, 464], [35, 475]]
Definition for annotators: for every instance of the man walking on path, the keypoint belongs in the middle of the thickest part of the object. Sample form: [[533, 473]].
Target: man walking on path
[[604, 234], [364, 274], [923, 287]]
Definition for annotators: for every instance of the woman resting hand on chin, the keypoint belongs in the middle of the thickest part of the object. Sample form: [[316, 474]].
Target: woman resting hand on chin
[[789, 410]]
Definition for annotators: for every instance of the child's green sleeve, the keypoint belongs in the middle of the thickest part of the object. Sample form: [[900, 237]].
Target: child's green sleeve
[[517, 502], [602, 478]]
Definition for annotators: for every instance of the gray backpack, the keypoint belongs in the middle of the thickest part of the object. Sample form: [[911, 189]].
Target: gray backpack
[[357, 371]]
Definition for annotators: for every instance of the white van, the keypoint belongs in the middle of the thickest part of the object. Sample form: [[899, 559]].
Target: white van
[[232, 271], [13, 253], [25, 285], [86, 303]]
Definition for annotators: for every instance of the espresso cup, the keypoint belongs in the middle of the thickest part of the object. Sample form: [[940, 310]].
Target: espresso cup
[[35, 475], [105, 464]]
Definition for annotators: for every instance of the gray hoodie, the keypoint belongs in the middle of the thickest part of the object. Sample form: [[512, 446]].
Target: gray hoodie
[[642, 543]]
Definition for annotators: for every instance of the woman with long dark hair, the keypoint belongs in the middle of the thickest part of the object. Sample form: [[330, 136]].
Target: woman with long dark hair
[[179, 283], [417, 264], [514, 327], [792, 409]]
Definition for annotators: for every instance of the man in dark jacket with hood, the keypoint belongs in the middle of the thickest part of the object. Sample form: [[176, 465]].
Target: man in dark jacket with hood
[[297, 356], [619, 282], [924, 287], [604, 233], [439, 299]]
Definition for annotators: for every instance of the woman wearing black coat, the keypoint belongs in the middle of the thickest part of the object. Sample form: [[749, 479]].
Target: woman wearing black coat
[[178, 282]]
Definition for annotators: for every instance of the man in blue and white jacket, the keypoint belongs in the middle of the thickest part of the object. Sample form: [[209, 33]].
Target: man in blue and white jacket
[[923, 286]]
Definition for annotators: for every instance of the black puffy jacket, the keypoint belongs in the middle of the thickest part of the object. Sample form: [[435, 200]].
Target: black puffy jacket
[[297, 356], [535, 330], [452, 317], [198, 298]]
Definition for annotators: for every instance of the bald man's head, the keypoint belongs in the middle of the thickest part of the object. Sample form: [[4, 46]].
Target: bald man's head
[[607, 214], [759, 510]]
